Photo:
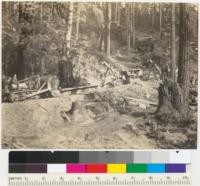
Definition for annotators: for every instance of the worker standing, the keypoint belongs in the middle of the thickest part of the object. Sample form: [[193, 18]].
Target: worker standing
[[15, 84], [6, 89]]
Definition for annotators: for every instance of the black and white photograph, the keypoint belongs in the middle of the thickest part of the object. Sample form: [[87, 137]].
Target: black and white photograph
[[99, 75]]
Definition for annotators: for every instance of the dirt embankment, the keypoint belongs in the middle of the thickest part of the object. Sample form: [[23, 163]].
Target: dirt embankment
[[98, 120]]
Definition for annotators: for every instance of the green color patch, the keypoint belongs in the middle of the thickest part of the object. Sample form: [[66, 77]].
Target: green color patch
[[136, 168]]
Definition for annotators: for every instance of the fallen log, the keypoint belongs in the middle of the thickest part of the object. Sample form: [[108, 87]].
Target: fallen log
[[23, 91], [42, 107], [78, 88], [109, 67], [156, 66], [37, 93], [42, 85], [65, 116], [142, 101], [27, 79]]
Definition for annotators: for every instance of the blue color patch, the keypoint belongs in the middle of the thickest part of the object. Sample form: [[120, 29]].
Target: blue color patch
[[156, 168]]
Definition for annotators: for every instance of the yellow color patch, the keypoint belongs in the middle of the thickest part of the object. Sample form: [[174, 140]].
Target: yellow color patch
[[116, 168]]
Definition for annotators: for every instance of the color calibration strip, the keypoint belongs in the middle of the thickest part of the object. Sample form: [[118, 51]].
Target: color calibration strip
[[98, 168], [99, 157]]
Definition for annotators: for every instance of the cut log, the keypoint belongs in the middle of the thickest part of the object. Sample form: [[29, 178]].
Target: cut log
[[142, 101], [78, 88], [22, 86]]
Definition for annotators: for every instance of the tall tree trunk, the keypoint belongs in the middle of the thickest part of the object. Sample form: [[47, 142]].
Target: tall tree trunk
[[133, 26], [69, 26], [77, 21], [128, 28], [118, 14], [65, 67], [101, 40], [104, 33], [20, 65], [42, 69], [41, 11], [160, 19], [131, 22], [20, 12], [116, 11], [153, 16], [173, 43], [52, 10], [12, 9], [5, 7], [108, 26], [32, 67], [183, 62]]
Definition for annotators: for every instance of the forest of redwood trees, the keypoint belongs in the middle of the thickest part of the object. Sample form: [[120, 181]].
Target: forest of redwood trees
[[36, 36]]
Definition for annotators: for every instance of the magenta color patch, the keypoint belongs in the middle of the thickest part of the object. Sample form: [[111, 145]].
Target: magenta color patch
[[75, 168]]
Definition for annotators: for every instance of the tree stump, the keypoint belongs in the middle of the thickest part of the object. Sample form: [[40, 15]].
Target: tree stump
[[66, 73], [171, 105]]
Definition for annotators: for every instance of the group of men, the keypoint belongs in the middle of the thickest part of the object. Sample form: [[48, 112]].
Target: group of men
[[8, 84]]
